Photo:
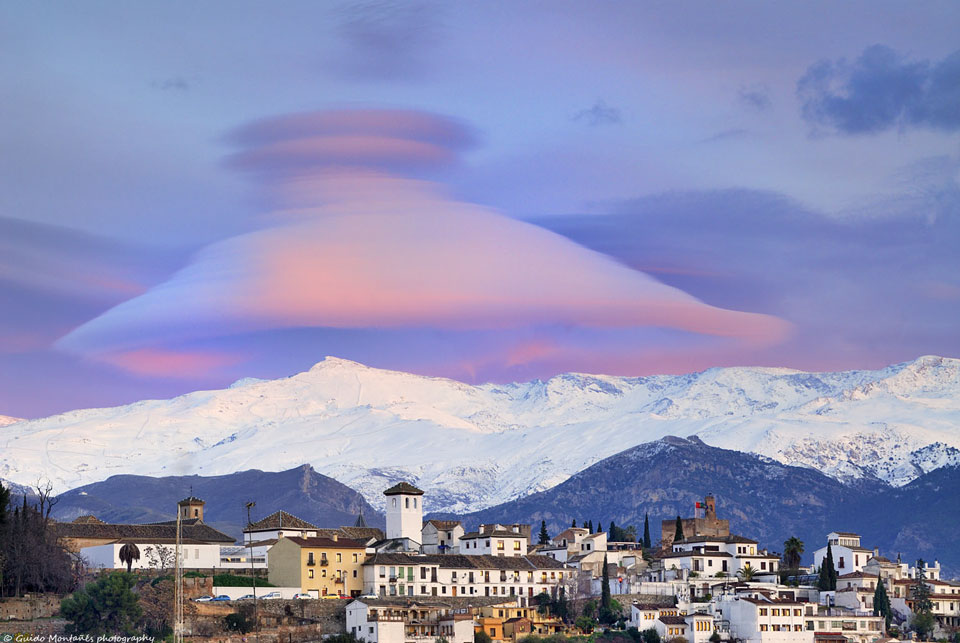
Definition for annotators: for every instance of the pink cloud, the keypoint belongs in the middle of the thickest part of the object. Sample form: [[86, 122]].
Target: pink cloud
[[167, 363], [368, 250]]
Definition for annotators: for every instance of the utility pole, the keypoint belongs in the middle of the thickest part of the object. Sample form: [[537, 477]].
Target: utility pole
[[253, 572], [178, 587]]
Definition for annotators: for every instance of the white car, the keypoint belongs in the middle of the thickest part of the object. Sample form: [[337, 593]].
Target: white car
[[271, 596], [203, 599], [303, 596]]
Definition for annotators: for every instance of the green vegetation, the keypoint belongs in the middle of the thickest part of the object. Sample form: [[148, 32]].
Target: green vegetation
[[481, 637], [646, 531], [923, 621], [828, 573], [232, 580], [242, 620], [106, 606], [544, 535], [792, 552], [678, 534], [881, 603]]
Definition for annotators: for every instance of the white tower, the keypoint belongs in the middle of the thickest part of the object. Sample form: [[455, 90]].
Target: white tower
[[404, 511]]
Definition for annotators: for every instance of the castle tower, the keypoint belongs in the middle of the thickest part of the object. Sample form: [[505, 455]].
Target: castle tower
[[404, 511], [711, 507], [190, 508]]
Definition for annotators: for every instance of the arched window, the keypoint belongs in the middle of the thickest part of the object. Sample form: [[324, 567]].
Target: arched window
[[394, 502], [406, 503]]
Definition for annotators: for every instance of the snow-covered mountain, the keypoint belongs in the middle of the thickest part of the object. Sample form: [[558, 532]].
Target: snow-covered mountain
[[7, 420], [475, 446]]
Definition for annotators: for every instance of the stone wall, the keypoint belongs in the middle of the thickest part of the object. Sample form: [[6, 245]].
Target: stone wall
[[29, 608]]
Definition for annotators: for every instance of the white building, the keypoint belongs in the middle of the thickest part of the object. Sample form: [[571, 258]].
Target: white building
[[154, 555], [848, 555], [277, 525], [714, 556], [763, 620], [408, 621], [496, 540], [441, 537], [404, 512], [450, 575]]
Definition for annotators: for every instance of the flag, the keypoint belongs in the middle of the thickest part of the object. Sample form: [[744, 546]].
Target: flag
[[699, 505]]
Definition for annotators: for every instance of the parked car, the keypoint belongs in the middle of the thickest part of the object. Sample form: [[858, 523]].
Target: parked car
[[333, 596], [271, 596], [203, 599], [221, 598], [246, 597], [369, 596], [303, 596]]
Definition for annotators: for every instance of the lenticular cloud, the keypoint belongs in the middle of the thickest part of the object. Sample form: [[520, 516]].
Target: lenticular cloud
[[358, 245]]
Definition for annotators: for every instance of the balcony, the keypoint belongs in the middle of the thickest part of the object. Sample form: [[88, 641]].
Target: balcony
[[338, 581], [393, 579], [311, 562], [324, 562]]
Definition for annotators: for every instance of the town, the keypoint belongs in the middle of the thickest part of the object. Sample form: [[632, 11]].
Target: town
[[421, 581]]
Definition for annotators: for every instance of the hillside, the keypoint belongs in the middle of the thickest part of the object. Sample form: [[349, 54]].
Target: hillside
[[301, 491], [472, 447]]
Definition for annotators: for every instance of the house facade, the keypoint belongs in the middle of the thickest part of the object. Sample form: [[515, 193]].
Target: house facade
[[319, 566]]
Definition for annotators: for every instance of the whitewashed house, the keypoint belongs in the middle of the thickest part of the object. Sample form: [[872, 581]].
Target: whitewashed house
[[848, 555], [763, 620], [413, 621], [496, 540], [441, 537]]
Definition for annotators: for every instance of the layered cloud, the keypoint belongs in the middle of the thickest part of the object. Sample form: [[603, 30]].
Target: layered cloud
[[881, 90], [363, 247]]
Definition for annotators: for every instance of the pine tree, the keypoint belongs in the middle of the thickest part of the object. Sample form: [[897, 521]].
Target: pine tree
[[613, 534], [646, 531], [827, 581], [678, 535], [544, 536]]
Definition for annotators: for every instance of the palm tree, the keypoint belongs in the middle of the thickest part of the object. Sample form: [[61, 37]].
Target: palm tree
[[746, 573], [129, 553], [792, 552]]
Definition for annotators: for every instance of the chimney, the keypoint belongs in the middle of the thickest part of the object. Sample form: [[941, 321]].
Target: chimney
[[876, 552], [335, 537]]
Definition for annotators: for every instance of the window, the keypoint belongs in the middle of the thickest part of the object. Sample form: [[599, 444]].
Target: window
[[354, 573], [394, 502], [840, 565], [414, 503], [763, 611], [309, 573], [310, 560], [339, 558], [406, 504], [356, 558]]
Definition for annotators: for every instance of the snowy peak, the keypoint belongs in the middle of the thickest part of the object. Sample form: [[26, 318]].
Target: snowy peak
[[6, 420], [474, 446]]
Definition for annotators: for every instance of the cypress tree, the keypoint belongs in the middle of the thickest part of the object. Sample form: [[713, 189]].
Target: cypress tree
[[881, 603], [590, 527], [599, 527], [646, 531], [574, 523], [562, 603], [828, 573], [544, 536], [613, 534], [605, 612], [679, 533]]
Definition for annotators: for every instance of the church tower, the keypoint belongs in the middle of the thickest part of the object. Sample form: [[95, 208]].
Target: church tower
[[191, 507], [404, 511]]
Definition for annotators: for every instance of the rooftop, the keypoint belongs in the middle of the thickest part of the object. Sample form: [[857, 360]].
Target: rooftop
[[280, 520], [404, 488]]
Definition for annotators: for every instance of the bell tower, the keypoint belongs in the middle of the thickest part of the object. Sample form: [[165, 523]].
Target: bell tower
[[190, 508], [404, 511]]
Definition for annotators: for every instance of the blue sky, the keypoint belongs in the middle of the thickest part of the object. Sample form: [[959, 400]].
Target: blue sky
[[788, 169]]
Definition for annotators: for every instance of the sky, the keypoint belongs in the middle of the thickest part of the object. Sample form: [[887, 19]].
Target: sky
[[193, 193]]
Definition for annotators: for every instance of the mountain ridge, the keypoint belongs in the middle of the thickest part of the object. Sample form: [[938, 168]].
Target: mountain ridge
[[478, 446]]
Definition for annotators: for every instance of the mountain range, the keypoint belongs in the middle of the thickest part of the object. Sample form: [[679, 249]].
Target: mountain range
[[763, 499], [474, 447]]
